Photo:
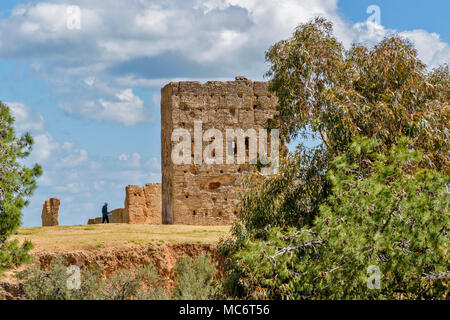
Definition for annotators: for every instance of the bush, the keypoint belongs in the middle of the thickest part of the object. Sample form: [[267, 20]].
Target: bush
[[52, 285], [193, 280], [383, 212], [140, 283]]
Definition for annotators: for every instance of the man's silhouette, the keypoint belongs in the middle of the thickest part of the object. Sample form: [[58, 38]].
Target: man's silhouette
[[105, 213]]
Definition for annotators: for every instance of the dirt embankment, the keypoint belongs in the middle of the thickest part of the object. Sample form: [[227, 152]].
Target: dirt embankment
[[163, 256]]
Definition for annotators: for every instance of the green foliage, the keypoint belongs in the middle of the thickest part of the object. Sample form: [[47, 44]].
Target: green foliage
[[291, 198], [312, 230], [333, 95], [383, 211], [382, 93], [194, 278], [52, 284], [386, 212], [17, 183], [153, 288], [140, 283]]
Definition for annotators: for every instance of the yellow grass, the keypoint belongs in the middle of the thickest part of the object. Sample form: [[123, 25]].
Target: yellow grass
[[117, 234]]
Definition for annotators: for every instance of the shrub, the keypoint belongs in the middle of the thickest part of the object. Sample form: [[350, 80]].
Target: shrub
[[52, 285], [138, 283], [383, 211], [194, 278]]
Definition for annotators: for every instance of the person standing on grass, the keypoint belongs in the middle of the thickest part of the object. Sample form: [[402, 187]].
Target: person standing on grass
[[105, 213]]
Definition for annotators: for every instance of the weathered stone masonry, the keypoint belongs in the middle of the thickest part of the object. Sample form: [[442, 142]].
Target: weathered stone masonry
[[198, 194], [142, 206], [208, 194], [50, 212]]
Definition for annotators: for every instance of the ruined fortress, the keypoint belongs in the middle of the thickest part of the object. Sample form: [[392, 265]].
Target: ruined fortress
[[199, 194]]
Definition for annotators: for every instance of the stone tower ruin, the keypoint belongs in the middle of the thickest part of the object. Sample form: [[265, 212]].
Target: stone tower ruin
[[208, 194], [50, 211]]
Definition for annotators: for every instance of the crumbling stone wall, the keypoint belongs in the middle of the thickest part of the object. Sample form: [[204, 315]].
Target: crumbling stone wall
[[50, 211], [116, 215], [208, 194], [142, 206], [96, 220]]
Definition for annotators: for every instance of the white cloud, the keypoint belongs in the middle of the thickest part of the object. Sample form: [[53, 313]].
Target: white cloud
[[45, 180], [128, 110], [45, 21], [89, 81], [95, 165], [127, 44], [431, 49], [25, 118], [154, 163], [158, 83], [155, 21], [98, 185], [207, 32], [125, 108], [44, 146], [368, 33], [228, 42], [74, 159], [73, 188], [67, 146], [130, 161]]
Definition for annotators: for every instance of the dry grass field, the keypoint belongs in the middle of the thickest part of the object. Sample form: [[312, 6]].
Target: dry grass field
[[116, 234]]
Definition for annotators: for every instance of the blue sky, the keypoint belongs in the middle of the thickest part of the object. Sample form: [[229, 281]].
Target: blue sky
[[90, 96]]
